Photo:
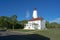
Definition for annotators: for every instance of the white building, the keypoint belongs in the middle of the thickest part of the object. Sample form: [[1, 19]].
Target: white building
[[36, 22]]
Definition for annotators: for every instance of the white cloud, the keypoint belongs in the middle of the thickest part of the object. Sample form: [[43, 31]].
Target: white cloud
[[27, 14], [57, 20]]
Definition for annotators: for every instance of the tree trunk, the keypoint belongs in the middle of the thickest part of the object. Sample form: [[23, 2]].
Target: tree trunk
[[13, 27]]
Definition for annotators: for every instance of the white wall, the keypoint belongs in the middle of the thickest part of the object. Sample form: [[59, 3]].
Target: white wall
[[41, 25], [37, 22]]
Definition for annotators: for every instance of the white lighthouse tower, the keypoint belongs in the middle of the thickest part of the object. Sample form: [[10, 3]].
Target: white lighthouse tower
[[35, 13], [36, 23]]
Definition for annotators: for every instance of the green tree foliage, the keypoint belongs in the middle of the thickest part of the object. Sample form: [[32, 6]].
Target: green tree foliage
[[22, 23], [3, 21], [52, 25], [11, 22], [47, 24]]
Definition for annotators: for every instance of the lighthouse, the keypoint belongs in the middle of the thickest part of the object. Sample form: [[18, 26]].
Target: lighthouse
[[36, 23], [35, 13]]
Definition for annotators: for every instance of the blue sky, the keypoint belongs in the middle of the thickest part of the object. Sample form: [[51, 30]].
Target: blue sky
[[48, 9]]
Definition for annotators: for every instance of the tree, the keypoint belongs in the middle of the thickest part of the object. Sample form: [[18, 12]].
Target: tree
[[54, 25], [3, 21], [13, 20], [47, 24], [22, 23]]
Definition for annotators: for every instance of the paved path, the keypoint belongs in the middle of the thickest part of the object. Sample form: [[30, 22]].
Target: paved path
[[21, 36]]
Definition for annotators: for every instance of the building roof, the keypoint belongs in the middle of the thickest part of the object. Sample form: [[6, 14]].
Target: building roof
[[35, 19]]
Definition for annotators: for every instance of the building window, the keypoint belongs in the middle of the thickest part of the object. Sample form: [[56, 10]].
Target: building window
[[30, 25], [26, 25]]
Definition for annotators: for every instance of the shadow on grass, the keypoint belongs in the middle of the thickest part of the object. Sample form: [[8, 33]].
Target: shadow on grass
[[24, 37]]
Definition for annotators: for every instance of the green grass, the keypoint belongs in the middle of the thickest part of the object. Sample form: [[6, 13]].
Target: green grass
[[1, 28], [21, 30], [53, 34]]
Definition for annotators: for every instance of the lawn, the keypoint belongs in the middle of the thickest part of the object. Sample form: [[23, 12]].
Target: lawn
[[53, 34]]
